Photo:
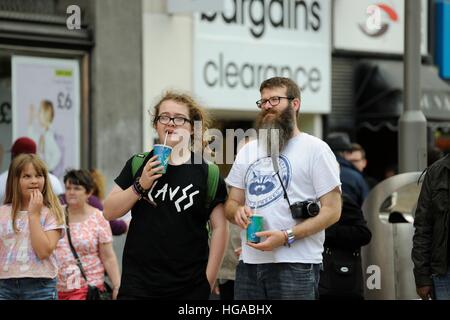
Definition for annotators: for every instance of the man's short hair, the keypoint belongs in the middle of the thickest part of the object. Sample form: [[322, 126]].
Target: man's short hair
[[292, 89], [358, 147]]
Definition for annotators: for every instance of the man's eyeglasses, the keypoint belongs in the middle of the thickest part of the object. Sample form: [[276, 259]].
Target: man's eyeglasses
[[178, 121], [274, 101]]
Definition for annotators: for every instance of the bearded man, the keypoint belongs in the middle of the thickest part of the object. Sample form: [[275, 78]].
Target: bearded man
[[274, 175]]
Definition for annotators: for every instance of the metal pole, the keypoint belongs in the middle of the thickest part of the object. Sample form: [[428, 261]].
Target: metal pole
[[412, 144]]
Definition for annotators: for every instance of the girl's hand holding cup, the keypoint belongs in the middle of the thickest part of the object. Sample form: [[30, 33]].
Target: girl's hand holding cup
[[150, 173]]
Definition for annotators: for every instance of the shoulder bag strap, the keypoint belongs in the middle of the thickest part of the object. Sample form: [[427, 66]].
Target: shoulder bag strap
[[74, 252]]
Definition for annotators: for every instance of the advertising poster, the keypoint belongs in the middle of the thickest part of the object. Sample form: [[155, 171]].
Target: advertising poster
[[46, 108]]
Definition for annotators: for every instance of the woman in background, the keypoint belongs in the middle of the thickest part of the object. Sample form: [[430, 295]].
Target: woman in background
[[91, 238]]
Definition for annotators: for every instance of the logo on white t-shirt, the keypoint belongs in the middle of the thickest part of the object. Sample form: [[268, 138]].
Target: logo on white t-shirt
[[262, 186]]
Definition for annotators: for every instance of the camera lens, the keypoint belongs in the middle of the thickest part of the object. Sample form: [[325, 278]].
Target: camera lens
[[313, 209]]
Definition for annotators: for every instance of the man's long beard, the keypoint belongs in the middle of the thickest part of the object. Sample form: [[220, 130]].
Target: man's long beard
[[278, 129]]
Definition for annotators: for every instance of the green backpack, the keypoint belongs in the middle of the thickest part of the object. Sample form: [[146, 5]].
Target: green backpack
[[213, 175]]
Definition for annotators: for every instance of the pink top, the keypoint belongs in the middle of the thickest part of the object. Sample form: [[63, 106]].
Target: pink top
[[17, 257], [86, 237]]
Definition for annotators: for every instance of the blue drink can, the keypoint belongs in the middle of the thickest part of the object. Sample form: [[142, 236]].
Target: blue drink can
[[256, 225]]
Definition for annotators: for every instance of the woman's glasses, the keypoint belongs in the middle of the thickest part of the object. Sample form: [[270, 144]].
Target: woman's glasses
[[178, 121]]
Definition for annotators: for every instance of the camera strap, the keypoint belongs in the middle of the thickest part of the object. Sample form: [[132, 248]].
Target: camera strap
[[277, 171], [284, 189]]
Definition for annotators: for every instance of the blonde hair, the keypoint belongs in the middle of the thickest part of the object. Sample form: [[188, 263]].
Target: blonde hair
[[47, 108], [13, 194], [99, 183], [196, 113]]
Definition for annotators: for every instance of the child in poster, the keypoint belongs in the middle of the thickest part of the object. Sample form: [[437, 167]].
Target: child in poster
[[40, 130]]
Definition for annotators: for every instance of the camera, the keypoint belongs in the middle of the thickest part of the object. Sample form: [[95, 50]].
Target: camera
[[304, 209]]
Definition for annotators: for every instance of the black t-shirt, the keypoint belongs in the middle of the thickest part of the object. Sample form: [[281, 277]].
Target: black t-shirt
[[166, 250]]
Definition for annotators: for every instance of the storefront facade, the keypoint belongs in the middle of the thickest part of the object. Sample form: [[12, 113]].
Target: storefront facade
[[222, 57], [43, 63], [367, 85], [83, 59]]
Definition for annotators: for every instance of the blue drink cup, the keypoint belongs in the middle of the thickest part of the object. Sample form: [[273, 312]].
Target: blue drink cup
[[256, 225], [163, 152]]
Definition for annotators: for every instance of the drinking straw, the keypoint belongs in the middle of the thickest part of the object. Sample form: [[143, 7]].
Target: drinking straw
[[165, 139]]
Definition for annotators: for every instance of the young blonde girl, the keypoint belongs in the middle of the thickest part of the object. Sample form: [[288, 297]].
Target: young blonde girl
[[31, 223]]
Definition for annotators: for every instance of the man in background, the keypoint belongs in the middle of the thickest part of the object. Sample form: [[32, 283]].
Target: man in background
[[353, 183], [431, 242], [357, 157]]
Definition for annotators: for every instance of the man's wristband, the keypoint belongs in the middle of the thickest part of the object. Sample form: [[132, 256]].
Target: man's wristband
[[289, 234]]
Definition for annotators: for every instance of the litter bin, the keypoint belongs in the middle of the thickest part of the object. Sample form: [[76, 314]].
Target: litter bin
[[389, 210]]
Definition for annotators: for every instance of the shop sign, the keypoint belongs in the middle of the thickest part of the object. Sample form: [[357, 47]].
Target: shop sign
[[374, 26], [250, 41]]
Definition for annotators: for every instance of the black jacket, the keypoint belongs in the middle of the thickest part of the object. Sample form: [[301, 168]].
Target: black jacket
[[431, 222], [351, 231], [342, 276]]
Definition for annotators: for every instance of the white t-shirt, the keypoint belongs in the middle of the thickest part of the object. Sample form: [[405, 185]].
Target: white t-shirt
[[51, 153], [308, 169], [56, 185], [47, 147]]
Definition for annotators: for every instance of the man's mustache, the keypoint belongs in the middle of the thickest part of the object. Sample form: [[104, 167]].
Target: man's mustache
[[270, 111]]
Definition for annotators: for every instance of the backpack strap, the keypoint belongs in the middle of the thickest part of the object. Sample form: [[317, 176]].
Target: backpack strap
[[137, 161], [213, 181]]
